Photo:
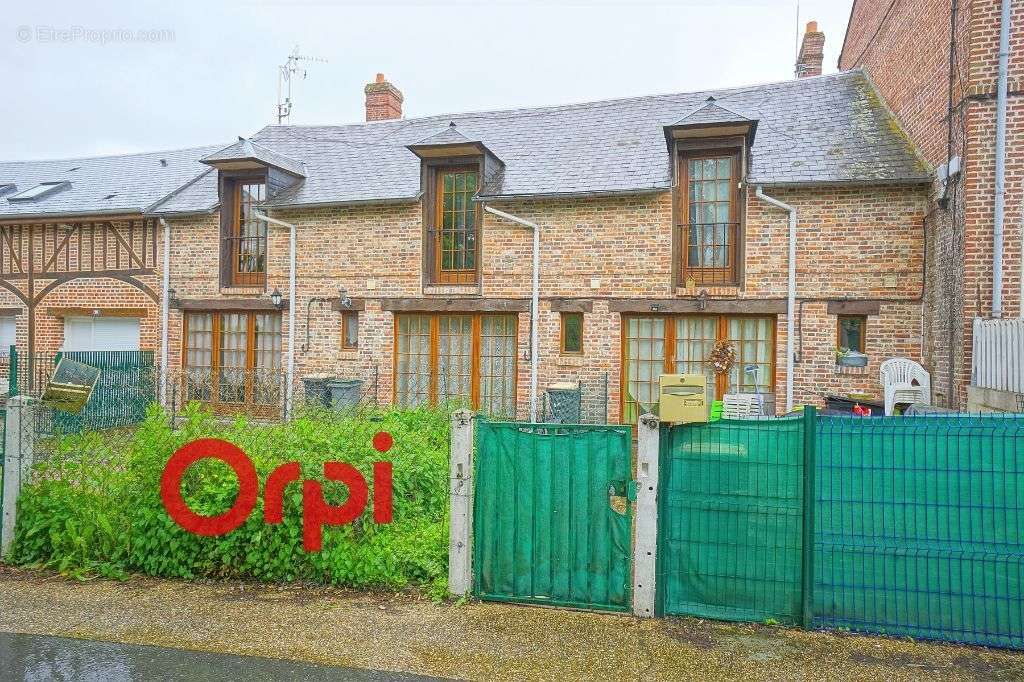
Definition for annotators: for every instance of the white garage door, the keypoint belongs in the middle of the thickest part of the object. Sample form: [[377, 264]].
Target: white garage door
[[101, 333]]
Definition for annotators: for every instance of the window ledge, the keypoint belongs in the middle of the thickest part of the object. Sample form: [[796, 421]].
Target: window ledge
[[851, 371], [571, 361], [242, 291], [451, 290]]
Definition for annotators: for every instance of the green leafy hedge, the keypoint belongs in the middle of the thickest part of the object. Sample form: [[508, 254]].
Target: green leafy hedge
[[94, 505]]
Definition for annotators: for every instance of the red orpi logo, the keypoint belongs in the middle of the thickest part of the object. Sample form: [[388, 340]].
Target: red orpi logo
[[316, 513]]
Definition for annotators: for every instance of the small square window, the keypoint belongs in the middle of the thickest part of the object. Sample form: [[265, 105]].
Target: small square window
[[572, 333], [851, 331], [350, 331]]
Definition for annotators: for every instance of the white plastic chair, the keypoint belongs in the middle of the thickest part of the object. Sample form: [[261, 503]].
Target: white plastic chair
[[904, 381]]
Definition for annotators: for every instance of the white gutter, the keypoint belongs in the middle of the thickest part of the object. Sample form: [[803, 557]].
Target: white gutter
[[290, 367], [165, 311], [1000, 197], [534, 304], [791, 299]]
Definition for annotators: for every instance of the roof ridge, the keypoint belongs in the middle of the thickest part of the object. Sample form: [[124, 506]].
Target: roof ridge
[[115, 156], [719, 94]]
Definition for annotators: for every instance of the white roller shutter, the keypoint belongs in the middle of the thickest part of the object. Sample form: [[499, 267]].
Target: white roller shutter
[[101, 333], [7, 323]]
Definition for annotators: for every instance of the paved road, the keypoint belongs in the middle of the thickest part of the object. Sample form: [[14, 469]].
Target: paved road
[[39, 657]]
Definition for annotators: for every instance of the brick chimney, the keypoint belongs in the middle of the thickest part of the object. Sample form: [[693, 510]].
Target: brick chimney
[[812, 52], [383, 100]]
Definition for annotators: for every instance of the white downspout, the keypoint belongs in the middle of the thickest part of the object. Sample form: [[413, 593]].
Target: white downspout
[[791, 298], [534, 304], [290, 363], [1000, 195], [165, 312]]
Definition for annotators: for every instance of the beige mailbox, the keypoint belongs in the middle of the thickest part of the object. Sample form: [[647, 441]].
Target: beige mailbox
[[683, 398]]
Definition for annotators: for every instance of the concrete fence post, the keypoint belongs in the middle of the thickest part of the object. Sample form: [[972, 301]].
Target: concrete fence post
[[18, 460], [645, 548], [460, 563]]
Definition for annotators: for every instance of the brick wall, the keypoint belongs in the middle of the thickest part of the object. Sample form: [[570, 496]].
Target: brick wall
[[905, 47], [853, 242]]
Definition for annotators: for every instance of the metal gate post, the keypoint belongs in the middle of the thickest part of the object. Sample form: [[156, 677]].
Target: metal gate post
[[807, 546], [460, 471], [645, 547], [18, 456]]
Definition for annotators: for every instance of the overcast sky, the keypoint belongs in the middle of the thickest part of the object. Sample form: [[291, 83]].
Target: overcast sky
[[75, 86]]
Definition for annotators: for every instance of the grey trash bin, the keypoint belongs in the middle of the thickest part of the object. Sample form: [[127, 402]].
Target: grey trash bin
[[316, 391], [342, 393]]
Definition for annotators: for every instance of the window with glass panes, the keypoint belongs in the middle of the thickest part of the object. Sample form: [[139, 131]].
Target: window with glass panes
[[248, 240], [233, 358], [852, 330], [681, 344], [464, 358], [709, 213], [456, 224]]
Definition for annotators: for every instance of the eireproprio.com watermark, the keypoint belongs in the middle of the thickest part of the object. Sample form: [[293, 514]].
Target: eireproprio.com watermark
[[92, 36]]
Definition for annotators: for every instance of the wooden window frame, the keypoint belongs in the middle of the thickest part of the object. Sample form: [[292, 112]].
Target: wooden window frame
[[721, 334], [230, 220], [561, 343], [435, 353], [349, 318], [728, 276], [433, 177], [863, 331], [215, 347]]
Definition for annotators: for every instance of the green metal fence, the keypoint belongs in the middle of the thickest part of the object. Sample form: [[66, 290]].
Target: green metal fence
[[917, 524], [920, 527], [552, 519], [730, 520], [127, 385]]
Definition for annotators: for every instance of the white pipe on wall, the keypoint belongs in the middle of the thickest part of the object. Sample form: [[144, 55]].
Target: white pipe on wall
[[165, 307], [999, 216], [534, 304], [791, 298], [290, 366]]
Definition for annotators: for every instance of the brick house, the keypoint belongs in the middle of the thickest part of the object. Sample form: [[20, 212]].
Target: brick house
[[936, 64], [79, 253], [660, 228]]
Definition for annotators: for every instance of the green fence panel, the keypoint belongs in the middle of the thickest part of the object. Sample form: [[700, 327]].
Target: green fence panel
[[551, 523], [730, 520], [920, 527]]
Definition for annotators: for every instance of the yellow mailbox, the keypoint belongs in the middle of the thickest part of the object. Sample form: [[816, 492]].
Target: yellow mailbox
[[683, 398]]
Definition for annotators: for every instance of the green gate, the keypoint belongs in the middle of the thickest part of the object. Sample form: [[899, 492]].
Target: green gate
[[730, 520], [552, 520]]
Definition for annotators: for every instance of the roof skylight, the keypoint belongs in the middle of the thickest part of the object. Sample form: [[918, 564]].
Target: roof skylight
[[40, 190]]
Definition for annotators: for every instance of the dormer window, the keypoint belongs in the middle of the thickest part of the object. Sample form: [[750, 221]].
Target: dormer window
[[246, 171], [455, 169], [710, 147], [709, 213]]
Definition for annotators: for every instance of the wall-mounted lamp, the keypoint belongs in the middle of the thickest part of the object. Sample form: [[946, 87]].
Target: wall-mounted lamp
[[655, 308], [702, 300], [343, 300], [275, 297]]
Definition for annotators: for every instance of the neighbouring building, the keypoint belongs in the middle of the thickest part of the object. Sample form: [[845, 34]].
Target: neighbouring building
[[936, 63], [660, 230]]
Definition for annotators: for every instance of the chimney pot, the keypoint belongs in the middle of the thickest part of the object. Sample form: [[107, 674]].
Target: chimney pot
[[812, 52], [383, 100]]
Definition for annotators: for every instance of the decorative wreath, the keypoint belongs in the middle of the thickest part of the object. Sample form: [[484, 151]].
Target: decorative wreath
[[723, 357]]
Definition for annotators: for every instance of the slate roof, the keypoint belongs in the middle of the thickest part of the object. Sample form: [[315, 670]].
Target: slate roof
[[129, 183], [244, 150], [822, 130], [450, 135]]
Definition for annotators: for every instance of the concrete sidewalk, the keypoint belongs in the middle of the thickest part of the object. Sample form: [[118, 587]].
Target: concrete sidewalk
[[474, 641]]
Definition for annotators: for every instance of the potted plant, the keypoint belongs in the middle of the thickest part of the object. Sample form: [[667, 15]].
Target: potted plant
[[850, 358]]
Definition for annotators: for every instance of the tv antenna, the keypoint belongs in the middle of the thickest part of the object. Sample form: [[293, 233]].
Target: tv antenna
[[284, 82]]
